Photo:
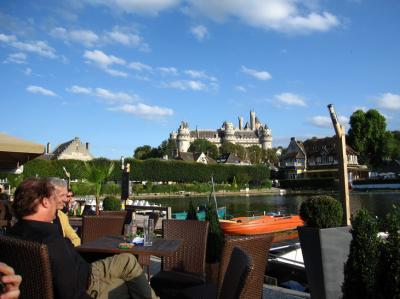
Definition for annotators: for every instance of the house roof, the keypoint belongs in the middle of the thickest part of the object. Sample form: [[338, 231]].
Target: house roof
[[316, 146]]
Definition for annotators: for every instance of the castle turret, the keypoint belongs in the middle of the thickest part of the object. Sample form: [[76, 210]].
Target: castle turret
[[265, 137], [252, 120], [240, 123], [183, 137], [229, 132]]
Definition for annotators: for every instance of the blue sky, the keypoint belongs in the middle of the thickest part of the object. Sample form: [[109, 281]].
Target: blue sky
[[123, 73]]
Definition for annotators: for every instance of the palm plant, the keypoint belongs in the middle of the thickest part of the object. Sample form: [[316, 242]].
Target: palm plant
[[96, 172]]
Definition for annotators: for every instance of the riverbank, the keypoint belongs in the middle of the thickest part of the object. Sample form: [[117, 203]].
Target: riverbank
[[244, 192]]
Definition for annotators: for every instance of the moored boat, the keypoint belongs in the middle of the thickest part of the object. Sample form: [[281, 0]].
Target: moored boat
[[261, 224], [201, 214]]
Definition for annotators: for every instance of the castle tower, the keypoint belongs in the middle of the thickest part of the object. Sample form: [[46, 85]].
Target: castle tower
[[229, 132], [183, 137], [240, 123], [252, 120], [265, 137]]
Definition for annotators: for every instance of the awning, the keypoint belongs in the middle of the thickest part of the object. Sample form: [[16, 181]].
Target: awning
[[15, 151]]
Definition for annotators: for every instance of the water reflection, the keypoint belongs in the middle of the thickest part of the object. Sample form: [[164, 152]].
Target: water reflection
[[378, 203]]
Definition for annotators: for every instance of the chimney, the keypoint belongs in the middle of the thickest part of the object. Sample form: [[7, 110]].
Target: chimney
[[87, 146], [240, 123], [48, 148], [292, 139]]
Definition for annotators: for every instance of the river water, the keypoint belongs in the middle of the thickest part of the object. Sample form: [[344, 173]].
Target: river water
[[378, 203]]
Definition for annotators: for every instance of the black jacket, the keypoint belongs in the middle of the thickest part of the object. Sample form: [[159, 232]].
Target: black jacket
[[69, 270]]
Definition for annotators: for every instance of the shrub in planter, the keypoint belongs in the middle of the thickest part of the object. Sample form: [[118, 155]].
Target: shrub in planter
[[360, 268], [111, 203], [192, 213], [321, 211], [324, 245], [388, 269]]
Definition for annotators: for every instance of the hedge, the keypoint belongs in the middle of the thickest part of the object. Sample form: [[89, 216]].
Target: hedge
[[157, 170]]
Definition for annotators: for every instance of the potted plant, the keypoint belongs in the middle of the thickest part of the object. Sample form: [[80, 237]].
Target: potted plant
[[111, 203], [324, 244]]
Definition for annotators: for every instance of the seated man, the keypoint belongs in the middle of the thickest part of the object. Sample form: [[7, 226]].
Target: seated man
[[61, 192], [9, 282], [119, 276]]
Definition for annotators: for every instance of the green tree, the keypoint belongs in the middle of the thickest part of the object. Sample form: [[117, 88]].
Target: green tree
[[255, 154], [368, 136], [169, 148], [142, 151], [270, 156], [227, 148], [205, 146], [96, 172]]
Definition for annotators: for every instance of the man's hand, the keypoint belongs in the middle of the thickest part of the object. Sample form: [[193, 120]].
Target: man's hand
[[11, 281]]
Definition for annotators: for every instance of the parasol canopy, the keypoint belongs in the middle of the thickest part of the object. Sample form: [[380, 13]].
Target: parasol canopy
[[15, 151]]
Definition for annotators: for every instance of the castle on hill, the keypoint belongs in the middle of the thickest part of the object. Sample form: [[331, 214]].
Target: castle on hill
[[252, 133]]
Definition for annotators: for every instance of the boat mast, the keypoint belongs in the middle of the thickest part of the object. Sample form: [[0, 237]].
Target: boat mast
[[213, 192], [343, 178]]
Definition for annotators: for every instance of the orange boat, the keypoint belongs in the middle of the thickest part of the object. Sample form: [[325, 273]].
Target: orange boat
[[262, 225]]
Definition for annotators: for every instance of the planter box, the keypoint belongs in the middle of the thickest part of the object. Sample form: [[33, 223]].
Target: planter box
[[324, 252]]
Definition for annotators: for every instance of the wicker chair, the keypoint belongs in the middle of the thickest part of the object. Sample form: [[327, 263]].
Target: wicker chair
[[187, 267], [94, 227], [239, 268], [257, 247], [31, 261], [123, 214]]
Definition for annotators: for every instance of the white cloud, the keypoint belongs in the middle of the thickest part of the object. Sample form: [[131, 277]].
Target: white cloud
[[39, 47], [168, 70], [124, 38], [326, 122], [291, 99], [200, 32], [101, 59], [40, 90], [145, 111], [79, 89], [115, 97], [28, 71], [18, 58], [280, 15], [240, 88], [186, 85], [148, 7], [138, 66], [260, 75], [389, 101], [104, 61], [200, 75], [85, 37]]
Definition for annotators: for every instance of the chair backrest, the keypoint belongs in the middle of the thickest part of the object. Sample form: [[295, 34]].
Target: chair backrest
[[257, 247], [191, 255], [94, 227], [122, 213], [3, 210], [238, 271], [31, 261]]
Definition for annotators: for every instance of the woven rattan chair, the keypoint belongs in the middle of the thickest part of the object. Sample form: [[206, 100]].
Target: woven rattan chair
[[187, 267], [237, 273], [257, 247], [94, 227], [31, 261]]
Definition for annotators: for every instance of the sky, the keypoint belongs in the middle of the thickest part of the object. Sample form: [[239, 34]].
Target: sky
[[124, 73]]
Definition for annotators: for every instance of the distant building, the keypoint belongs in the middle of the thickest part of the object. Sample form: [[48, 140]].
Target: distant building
[[73, 149], [232, 158], [317, 157], [196, 157], [252, 133]]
